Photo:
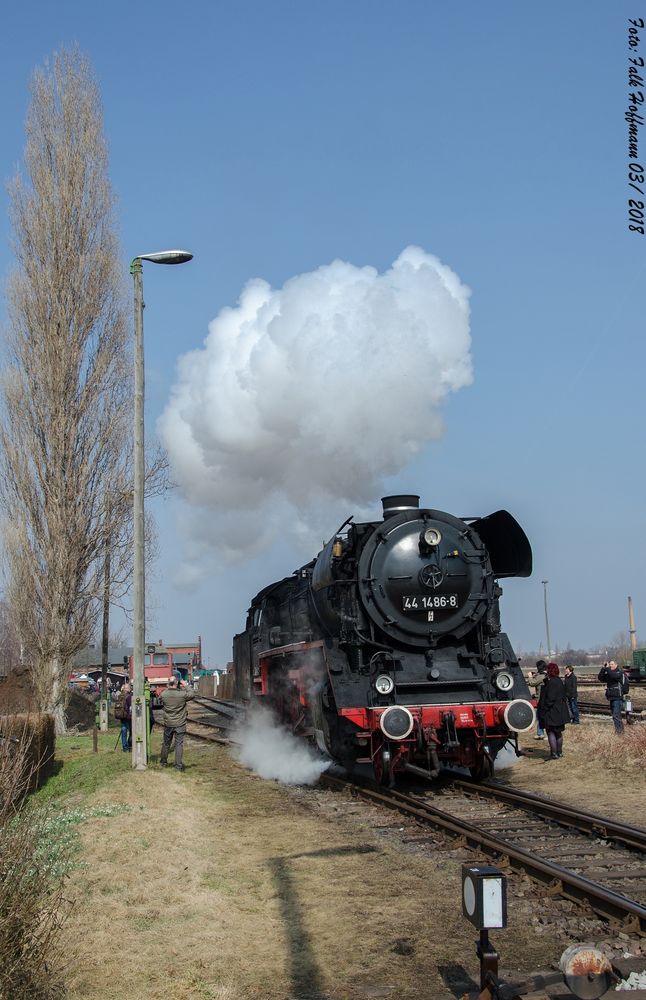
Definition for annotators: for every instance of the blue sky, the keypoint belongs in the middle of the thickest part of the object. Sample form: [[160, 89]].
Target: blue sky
[[272, 137]]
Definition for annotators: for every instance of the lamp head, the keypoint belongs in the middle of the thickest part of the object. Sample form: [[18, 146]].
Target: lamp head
[[167, 257]]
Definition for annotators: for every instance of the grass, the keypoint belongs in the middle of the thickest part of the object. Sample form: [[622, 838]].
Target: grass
[[233, 898], [80, 772], [627, 750], [599, 771]]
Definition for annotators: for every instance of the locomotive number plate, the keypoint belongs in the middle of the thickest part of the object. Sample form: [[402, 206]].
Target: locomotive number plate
[[429, 602]]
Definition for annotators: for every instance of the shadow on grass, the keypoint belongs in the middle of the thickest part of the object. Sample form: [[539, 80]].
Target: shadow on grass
[[49, 771], [77, 770], [457, 979], [306, 979]]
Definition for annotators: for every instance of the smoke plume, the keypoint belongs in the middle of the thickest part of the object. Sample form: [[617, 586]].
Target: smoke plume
[[305, 398], [271, 751], [505, 758]]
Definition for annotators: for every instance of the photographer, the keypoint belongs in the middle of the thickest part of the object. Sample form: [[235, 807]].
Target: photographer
[[175, 717], [616, 687]]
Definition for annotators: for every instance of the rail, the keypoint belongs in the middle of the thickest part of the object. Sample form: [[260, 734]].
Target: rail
[[599, 708], [221, 716], [559, 880], [590, 823]]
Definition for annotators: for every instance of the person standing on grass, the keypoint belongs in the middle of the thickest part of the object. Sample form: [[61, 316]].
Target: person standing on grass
[[552, 710], [616, 688], [174, 701], [123, 712], [535, 681], [149, 698], [570, 685]]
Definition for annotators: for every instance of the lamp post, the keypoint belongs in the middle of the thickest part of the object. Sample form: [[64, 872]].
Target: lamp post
[[139, 724], [547, 621]]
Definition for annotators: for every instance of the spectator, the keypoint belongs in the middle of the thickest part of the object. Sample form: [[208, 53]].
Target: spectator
[[535, 681], [123, 712], [616, 688], [552, 710], [570, 685], [149, 698], [174, 701]]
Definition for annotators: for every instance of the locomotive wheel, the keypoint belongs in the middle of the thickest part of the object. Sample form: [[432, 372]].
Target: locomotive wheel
[[483, 769], [383, 768]]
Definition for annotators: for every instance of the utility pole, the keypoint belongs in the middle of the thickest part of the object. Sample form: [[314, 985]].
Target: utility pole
[[547, 621], [631, 625], [103, 705], [139, 723]]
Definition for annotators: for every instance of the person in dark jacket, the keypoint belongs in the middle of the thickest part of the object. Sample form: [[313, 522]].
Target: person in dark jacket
[[613, 677], [570, 685], [174, 701], [123, 712], [552, 710], [535, 681]]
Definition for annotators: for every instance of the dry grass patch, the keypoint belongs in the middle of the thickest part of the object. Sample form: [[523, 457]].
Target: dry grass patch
[[221, 886], [625, 752], [599, 771]]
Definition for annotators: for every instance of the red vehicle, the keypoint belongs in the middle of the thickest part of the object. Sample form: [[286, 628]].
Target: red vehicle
[[161, 662]]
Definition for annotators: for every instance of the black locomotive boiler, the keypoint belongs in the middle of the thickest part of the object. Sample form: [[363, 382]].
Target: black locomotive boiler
[[388, 647]]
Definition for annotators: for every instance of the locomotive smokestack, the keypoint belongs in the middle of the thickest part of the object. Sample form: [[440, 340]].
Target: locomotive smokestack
[[397, 504]]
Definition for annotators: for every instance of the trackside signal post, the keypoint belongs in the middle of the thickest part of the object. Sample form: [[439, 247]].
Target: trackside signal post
[[139, 714], [484, 903]]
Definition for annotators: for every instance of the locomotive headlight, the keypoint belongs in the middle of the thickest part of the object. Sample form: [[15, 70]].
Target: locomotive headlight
[[504, 681], [384, 684], [432, 537]]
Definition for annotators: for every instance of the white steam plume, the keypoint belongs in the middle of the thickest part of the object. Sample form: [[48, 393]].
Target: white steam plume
[[505, 758], [309, 396], [271, 751]]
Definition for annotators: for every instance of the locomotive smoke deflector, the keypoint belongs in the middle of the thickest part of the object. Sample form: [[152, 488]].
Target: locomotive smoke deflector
[[508, 546]]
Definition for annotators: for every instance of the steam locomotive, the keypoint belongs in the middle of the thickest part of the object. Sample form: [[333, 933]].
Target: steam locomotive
[[387, 647]]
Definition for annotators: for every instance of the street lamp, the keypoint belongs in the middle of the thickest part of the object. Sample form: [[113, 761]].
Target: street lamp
[[547, 621], [139, 726]]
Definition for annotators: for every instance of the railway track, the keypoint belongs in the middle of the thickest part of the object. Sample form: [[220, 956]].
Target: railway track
[[600, 708], [583, 857], [212, 719], [593, 681]]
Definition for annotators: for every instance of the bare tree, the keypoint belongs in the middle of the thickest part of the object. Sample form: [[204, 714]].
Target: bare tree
[[66, 389], [9, 642]]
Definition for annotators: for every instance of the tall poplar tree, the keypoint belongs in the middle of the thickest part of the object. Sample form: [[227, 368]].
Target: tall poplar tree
[[66, 389]]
